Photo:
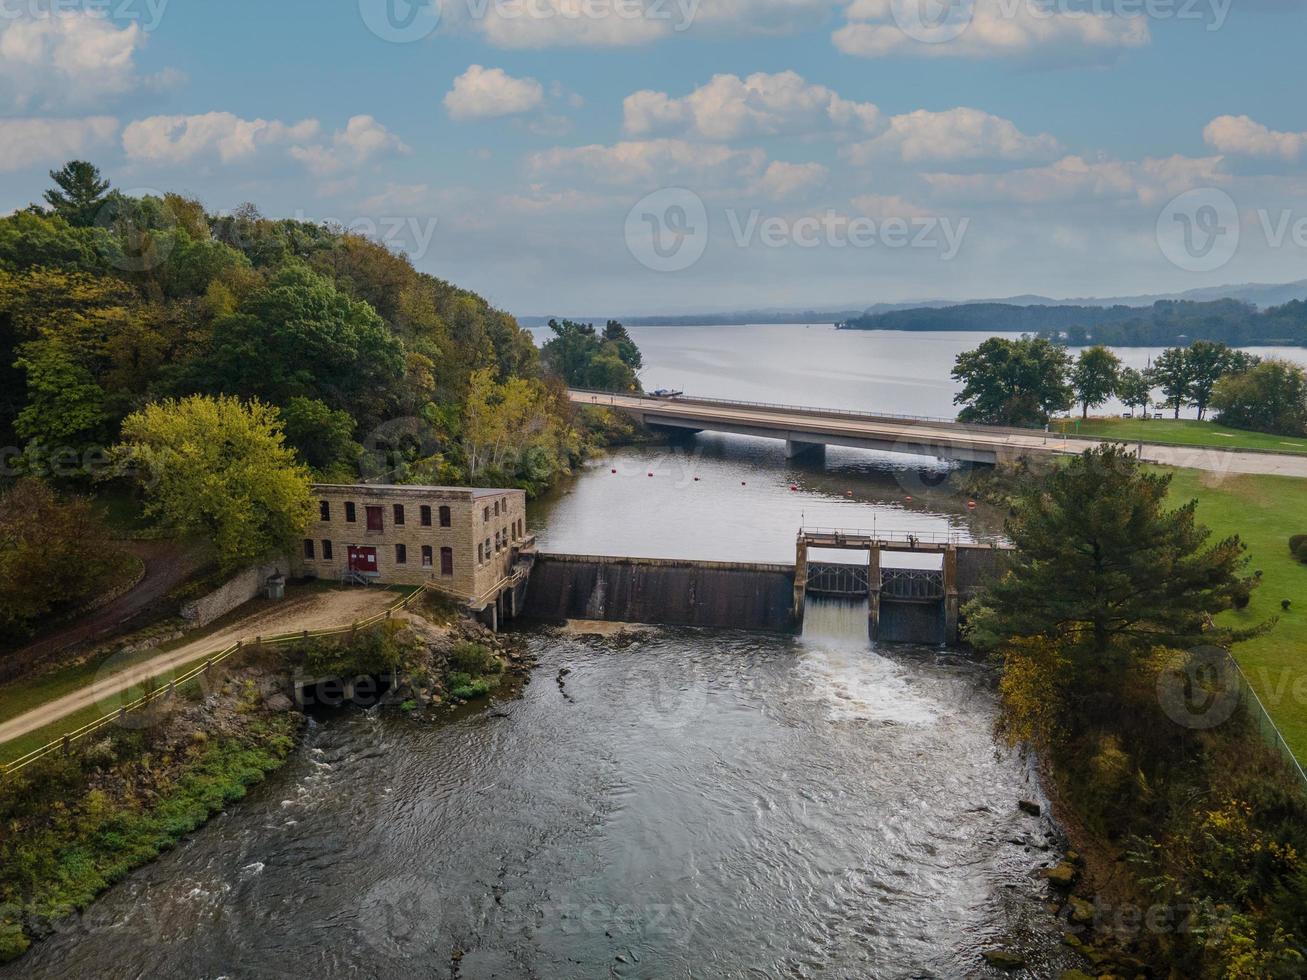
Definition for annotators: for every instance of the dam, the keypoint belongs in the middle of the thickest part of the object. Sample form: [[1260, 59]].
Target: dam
[[903, 604]]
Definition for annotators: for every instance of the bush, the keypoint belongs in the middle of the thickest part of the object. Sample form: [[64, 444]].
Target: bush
[[1301, 552], [466, 687], [474, 658], [1296, 542]]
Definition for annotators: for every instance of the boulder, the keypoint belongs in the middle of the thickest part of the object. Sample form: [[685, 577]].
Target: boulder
[[1063, 875], [1004, 959], [1080, 911], [1030, 807]]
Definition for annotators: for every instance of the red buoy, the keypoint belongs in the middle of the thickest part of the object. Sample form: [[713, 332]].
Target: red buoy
[[794, 487], [908, 499], [971, 504], [651, 474], [614, 471]]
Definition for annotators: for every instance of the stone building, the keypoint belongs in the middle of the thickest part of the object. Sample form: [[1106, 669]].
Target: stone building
[[471, 544]]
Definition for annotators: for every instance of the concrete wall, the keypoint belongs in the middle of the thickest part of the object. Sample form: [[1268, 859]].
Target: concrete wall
[[912, 622], [662, 592], [236, 592]]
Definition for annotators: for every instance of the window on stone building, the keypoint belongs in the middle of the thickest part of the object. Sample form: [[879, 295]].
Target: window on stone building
[[446, 517], [324, 509], [308, 549], [401, 554], [399, 515], [326, 550], [426, 556], [350, 515]]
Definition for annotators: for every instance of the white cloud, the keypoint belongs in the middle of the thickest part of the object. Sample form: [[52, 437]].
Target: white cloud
[[987, 29], [650, 162], [66, 60], [1075, 180], [179, 139], [885, 206], [624, 23], [397, 197], [953, 135], [728, 107], [362, 140], [785, 180], [1242, 136], [27, 142], [483, 93]]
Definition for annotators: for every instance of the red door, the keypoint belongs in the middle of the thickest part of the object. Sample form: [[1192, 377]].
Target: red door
[[363, 560]]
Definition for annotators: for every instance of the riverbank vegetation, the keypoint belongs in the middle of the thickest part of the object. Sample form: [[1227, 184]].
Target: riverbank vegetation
[[1026, 382], [1181, 432], [1107, 626], [77, 822]]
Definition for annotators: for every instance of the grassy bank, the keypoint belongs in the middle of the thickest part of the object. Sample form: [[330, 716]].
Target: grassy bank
[[77, 824], [1265, 511], [1182, 432]]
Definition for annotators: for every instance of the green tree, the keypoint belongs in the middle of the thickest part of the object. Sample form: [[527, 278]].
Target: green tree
[[52, 553], [324, 438], [1013, 382], [584, 359], [1134, 390], [65, 406], [219, 467], [1104, 569], [1095, 377], [1173, 373], [78, 193], [1270, 397], [1208, 362], [616, 334]]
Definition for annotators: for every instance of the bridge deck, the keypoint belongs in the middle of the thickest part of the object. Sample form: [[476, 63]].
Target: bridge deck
[[914, 436]]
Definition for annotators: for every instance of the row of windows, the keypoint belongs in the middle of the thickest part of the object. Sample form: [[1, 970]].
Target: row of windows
[[401, 555], [374, 515], [501, 541], [497, 509]]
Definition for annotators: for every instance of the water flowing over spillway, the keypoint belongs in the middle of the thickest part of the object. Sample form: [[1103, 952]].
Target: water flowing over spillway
[[837, 623]]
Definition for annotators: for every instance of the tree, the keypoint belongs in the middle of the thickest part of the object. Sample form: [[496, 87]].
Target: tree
[[65, 407], [219, 467], [1095, 377], [1173, 374], [583, 359], [1134, 390], [1208, 362], [78, 194], [1013, 382], [1103, 569], [323, 438], [52, 553], [1270, 397]]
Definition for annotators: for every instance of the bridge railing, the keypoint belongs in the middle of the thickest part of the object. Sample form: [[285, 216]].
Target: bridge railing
[[925, 537]]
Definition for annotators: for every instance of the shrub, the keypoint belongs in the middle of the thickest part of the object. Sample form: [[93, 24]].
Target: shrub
[[466, 687], [474, 658], [1296, 542], [1301, 552]]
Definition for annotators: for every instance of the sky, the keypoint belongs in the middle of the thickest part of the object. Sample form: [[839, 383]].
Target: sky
[[608, 157]]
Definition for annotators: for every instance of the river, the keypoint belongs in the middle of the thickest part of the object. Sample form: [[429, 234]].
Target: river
[[677, 803]]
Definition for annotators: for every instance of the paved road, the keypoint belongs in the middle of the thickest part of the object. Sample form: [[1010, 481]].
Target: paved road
[[911, 434], [317, 610]]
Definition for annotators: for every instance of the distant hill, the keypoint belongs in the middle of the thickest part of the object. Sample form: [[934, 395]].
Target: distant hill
[[1164, 323], [1260, 295]]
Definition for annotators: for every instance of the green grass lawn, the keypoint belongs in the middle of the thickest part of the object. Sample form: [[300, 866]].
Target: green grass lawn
[[1264, 511], [1182, 432]]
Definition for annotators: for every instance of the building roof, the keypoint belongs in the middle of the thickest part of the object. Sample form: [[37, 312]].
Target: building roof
[[472, 493]]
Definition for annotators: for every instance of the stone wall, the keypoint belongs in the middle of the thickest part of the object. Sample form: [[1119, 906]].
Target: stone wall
[[236, 592], [662, 592]]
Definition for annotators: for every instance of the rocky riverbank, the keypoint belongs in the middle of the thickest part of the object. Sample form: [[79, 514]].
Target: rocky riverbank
[[75, 824]]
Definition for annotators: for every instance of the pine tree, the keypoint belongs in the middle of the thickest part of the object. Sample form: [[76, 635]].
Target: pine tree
[[80, 193], [1104, 569]]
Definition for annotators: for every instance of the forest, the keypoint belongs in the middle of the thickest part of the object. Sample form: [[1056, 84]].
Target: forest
[[109, 303], [1164, 323]]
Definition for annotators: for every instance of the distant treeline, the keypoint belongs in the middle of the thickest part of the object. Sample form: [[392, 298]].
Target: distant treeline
[[714, 319], [1164, 323]]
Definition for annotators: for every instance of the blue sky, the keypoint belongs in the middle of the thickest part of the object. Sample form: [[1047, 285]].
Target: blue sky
[[635, 156]]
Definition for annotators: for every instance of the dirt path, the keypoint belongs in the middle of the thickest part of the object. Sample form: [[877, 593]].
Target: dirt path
[[168, 564], [318, 610]]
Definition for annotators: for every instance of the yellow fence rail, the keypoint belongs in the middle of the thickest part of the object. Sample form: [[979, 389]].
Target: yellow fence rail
[[68, 740]]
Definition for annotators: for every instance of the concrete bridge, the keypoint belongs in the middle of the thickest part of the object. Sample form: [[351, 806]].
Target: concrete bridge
[[810, 430], [807, 430]]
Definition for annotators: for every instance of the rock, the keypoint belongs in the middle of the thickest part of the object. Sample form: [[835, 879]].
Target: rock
[[1075, 858], [1004, 959], [1074, 975], [1080, 911], [1063, 875], [279, 702], [1030, 807]]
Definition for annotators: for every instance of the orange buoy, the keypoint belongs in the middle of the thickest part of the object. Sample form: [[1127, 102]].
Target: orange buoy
[[971, 504], [908, 499]]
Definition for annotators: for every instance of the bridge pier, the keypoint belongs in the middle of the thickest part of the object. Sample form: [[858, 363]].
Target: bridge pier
[[873, 594], [800, 583], [794, 448], [952, 603]]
